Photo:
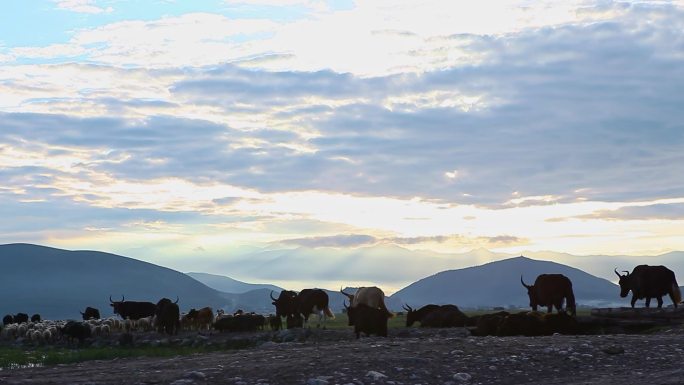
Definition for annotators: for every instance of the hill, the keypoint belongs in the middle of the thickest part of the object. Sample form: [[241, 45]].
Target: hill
[[59, 283], [498, 284], [230, 285]]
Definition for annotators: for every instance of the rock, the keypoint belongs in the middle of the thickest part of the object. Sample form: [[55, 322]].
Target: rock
[[316, 381], [460, 332], [286, 335], [613, 349], [375, 375], [196, 375], [183, 381], [463, 377], [268, 344]]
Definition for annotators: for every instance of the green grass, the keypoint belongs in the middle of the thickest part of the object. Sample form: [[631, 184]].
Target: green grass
[[17, 357]]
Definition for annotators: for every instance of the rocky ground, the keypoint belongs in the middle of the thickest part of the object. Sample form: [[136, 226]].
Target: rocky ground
[[408, 356]]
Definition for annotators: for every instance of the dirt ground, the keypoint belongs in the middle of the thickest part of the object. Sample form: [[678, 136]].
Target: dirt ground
[[407, 356]]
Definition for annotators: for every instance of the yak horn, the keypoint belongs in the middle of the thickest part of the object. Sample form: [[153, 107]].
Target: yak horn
[[348, 295], [523, 283], [176, 299], [272, 296], [618, 274]]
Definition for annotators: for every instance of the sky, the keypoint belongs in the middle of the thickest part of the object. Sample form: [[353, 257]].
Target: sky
[[180, 132]]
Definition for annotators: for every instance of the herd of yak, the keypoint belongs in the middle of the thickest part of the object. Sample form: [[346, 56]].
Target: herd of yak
[[366, 312]]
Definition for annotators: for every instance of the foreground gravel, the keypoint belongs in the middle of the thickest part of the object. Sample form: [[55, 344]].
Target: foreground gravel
[[408, 356]]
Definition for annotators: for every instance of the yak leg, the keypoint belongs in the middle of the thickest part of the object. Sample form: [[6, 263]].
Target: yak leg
[[648, 301], [660, 301], [634, 299], [549, 308]]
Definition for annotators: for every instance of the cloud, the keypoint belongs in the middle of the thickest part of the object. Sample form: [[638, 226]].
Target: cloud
[[82, 6], [428, 121], [343, 240], [463, 241], [356, 240], [673, 211]]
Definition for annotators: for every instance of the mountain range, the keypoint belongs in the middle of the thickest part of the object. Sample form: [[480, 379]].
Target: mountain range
[[499, 283], [230, 285], [58, 283], [393, 267]]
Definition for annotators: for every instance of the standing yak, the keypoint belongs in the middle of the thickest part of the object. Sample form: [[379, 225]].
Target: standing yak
[[648, 282], [550, 290], [167, 316]]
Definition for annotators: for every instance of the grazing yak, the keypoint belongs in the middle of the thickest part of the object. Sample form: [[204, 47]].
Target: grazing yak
[[293, 305], [551, 290], [8, 319], [243, 322], [311, 301], [370, 320], [132, 309], [76, 330], [650, 282], [372, 297], [436, 316], [21, 318], [525, 324], [90, 313]]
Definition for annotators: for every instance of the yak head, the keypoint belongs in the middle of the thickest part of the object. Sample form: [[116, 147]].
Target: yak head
[[350, 296], [116, 305], [286, 303], [351, 313], [531, 293], [411, 315], [163, 303], [625, 283]]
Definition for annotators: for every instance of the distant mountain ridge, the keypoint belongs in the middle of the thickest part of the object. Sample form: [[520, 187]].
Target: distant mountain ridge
[[498, 284], [229, 285], [59, 283]]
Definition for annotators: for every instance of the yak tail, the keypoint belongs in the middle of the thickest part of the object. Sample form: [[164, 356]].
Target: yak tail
[[676, 293], [570, 302], [329, 313]]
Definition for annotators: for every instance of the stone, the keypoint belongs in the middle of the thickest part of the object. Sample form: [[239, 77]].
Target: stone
[[463, 377], [613, 349], [375, 375], [196, 375], [316, 381]]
